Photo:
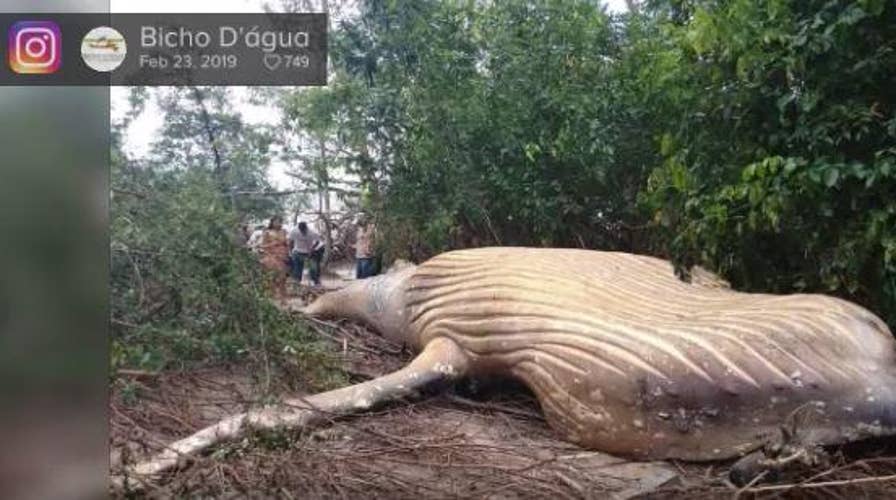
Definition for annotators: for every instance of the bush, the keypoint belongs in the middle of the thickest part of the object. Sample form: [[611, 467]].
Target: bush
[[183, 289]]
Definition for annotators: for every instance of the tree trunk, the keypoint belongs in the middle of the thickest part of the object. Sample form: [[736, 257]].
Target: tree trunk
[[324, 205], [220, 168]]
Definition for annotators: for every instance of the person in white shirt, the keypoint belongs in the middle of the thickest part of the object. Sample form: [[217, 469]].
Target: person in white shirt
[[305, 245], [255, 238]]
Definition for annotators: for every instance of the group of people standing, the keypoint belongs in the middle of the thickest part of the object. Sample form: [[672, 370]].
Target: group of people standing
[[283, 253]]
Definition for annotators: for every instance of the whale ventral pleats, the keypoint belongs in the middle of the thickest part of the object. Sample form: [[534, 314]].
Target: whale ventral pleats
[[615, 342]]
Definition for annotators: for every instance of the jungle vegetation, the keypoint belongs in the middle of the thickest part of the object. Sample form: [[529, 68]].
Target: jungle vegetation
[[754, 137]]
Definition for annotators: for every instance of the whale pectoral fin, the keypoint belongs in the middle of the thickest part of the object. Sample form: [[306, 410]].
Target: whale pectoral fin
[[441, 360]]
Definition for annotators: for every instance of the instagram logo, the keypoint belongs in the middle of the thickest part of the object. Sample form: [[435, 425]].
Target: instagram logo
[[35, 47]]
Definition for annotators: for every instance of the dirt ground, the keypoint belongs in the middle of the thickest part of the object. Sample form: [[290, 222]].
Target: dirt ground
[[470, 441], [474, 440]]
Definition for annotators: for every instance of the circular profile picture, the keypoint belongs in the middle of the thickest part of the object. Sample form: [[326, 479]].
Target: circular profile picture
[[103, 49]]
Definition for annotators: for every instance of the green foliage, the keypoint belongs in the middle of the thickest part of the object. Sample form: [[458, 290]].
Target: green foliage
[[757, 138], [754, 137], [203, 133], [183, 288], [498, 122], [779, 170]]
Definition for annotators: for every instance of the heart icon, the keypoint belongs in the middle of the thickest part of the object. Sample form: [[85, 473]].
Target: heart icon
[[272, 61]]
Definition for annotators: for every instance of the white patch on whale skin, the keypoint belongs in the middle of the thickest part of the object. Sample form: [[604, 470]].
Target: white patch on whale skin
[[445, 368]]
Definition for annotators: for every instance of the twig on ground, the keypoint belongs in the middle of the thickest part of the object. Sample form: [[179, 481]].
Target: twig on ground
[[136, 373], [822, 484], [749, 485], [491, 407]]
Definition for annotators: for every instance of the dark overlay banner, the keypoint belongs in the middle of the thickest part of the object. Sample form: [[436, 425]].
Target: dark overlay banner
[[164, 49]]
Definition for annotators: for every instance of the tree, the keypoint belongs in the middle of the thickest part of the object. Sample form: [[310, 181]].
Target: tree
[[781, 162], [183, 288], [201, 132], [498, 122]]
